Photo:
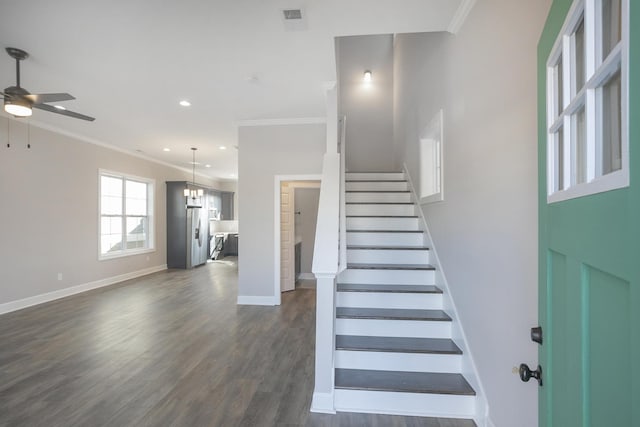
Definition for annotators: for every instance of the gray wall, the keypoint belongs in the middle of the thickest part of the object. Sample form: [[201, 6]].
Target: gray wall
[[485, 231], [49, 212], [306, 202], [264, 152], [369, 108]]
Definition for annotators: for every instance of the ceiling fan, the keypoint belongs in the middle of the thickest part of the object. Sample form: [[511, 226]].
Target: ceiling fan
[[19, 102]]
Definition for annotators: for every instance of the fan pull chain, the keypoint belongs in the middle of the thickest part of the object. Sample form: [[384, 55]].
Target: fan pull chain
[[28, 135], [8, 133]]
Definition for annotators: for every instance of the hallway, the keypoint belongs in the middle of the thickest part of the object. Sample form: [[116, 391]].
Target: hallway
[[171, 348]]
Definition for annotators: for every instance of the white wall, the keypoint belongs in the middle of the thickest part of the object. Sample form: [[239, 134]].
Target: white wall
[[485, 231], [306, 203], [369, 108], [49, 212], [264, 152]]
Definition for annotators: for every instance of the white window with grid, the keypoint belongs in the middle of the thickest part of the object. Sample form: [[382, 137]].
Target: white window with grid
[[126, 215], [587, 101]]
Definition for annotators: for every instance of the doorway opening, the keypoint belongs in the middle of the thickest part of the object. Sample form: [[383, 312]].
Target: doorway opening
[[296, 215]]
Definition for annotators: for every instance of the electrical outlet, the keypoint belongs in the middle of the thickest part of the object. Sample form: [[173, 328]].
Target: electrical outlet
[[59, 276]]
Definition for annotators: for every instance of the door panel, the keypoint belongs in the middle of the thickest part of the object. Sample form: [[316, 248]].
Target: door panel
[[608, 325], [589, 278], [287, 231]]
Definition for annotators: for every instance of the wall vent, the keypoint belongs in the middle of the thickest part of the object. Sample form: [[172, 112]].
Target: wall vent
[[290, 14]]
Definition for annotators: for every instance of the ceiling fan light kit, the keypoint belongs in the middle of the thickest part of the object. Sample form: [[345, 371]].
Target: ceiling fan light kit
[[20, 103], [17, 107]]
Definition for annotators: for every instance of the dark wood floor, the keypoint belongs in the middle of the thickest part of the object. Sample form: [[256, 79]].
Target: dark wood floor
[[169, 349]]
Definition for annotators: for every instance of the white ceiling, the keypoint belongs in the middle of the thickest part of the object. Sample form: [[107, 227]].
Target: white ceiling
[[129, 63]]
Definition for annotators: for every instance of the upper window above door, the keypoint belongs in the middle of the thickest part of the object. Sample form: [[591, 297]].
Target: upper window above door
[[587, 101]]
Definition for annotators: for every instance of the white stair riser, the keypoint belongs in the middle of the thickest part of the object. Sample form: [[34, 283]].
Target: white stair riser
[[393, 328], [407, 362], [378, 197], [373, 209], [376, 186], [385, 239], [368, 223], [389, 300], [382, 277], [418, 404], [369, 176], [388, 256]]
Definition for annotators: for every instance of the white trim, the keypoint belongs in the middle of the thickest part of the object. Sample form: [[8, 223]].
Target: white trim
[[92, 141], [306, 276], [482, 405], [323, 403], [257, 300], [281, 122], [460, 16], [62, 293], [277, 181]]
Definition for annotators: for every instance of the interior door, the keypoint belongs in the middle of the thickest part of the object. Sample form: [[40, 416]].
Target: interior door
[[287, 236], [589, 279]]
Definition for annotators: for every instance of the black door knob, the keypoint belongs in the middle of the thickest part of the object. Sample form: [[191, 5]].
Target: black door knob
[[526, 373]]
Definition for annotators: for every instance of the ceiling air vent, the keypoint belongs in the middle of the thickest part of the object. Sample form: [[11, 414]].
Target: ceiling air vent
[[292, 14], [294, 19]]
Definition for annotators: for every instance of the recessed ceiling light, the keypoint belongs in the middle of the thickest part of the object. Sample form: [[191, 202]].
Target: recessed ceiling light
[[59, 107], [166, 149], [207, 166], [185, 103], [222, 147]]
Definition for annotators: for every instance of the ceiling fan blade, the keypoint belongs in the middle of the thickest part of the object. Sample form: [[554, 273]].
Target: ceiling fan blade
[[68, 113], [41, 98]]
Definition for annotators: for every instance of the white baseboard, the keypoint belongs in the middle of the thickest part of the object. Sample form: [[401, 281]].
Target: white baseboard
[[323, 403], [306, 276], [61, 293], [256, 300]]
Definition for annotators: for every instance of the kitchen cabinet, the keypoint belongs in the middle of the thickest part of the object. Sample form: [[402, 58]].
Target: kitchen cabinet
[[220, 205]]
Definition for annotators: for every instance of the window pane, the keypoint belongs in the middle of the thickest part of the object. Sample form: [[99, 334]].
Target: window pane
[[111, 195], [611, 25], [580, 70], [581, 147], [611, 125], [111, 240], [136, 232], [558, 87], [559, 163], [110, 186], [136, 198]]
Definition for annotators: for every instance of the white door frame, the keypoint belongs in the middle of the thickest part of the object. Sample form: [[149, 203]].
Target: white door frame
[[278, 180]]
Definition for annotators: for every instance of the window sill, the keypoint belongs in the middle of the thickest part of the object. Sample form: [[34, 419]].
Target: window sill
[[133, 252], [612, 181]]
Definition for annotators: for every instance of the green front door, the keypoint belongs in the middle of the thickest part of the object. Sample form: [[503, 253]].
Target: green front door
[[589, 275]]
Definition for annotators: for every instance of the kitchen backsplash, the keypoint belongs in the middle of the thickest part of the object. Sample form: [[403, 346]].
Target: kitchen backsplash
[[223, 226]]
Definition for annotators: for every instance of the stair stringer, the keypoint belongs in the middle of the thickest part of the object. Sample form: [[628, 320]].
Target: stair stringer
[[469, 369]]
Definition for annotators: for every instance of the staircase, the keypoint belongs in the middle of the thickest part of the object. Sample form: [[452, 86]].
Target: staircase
[[394, 352]]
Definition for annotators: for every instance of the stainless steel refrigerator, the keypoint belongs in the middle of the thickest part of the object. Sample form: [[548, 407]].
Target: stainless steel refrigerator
[[187, 228]]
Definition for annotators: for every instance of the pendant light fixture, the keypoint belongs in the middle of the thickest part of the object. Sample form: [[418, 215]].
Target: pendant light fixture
[[193, 193]]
